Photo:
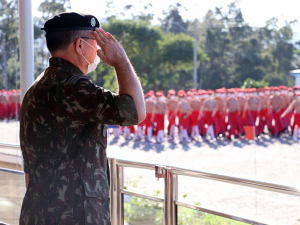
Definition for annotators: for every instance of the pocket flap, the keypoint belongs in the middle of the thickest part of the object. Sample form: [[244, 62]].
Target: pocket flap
[[96, 188], [99, 133]]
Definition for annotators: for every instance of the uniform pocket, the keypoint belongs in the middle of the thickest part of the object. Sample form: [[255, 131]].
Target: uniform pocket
[[96, 202], [99, 133]]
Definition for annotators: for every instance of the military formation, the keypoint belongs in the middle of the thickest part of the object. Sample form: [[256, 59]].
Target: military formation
[[207, 115], [10, 104]]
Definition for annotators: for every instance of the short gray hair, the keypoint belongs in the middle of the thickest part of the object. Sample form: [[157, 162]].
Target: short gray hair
[[61, 40]]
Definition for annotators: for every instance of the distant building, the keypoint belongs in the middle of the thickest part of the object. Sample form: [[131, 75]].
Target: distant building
[[296, 74]]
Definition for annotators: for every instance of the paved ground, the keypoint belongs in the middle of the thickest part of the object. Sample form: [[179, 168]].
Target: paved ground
[[268, 159]]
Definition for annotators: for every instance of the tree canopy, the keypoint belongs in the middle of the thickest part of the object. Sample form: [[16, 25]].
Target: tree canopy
[[230, 52]]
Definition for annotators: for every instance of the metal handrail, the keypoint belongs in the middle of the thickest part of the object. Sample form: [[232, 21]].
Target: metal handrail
[[11, 171], [10, 146], [149, 197], [216, 177], [171, 188], [218, 213]]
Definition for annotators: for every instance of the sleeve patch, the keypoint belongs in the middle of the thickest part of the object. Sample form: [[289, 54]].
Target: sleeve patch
[[76, 78]]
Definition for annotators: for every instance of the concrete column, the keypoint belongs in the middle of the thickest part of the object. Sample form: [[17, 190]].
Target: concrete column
[[26, 45]]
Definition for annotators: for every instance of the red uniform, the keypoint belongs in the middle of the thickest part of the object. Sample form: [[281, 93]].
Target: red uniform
[[172, 120], [297, 120], [194, 118], [13, 110], [278, 125], [251, 117], [219, 123], [208, 119], [184, 122], [2, 111], [235, 125], [159, 119], [8, 111], [264, 120], [147, 121]]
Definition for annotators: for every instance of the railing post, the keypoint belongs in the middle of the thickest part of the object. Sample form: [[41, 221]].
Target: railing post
[[168, 189], [174, 192], [120, 199], [113, 192]]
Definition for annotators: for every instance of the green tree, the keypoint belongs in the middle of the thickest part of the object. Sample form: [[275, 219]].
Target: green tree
[[9, 62]]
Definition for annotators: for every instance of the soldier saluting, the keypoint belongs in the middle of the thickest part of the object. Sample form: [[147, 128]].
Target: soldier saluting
[[63, 124]]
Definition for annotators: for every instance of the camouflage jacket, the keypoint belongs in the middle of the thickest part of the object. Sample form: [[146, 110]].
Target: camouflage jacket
[[63, 141]]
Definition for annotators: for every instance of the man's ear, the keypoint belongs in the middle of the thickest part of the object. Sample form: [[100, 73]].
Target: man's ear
[[78, 46]]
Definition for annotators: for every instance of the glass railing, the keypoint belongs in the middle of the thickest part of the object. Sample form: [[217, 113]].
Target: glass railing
[[218, 199], [12, 191]]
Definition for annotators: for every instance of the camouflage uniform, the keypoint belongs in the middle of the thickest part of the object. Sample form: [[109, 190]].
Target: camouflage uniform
[[63, 141]]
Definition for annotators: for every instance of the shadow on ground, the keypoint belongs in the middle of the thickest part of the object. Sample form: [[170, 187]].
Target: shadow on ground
[[265, 140]]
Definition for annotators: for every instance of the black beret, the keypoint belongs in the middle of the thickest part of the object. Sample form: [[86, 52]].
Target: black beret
[[71, 21]]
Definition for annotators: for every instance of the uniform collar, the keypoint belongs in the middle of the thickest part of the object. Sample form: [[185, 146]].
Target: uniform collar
[[59, 62]]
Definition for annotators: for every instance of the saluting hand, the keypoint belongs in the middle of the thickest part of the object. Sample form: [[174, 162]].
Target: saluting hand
[[111, 52]]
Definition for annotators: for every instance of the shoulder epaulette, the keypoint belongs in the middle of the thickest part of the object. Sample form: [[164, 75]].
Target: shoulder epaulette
[[76, 78]]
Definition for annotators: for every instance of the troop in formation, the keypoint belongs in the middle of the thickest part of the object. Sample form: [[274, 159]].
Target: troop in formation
[[208, 114], [10, 104]]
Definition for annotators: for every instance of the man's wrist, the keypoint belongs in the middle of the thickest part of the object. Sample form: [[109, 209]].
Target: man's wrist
[[125, 63]]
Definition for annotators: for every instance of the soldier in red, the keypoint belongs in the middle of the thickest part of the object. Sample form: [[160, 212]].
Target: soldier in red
[[275, 105], [233, 106], [240, 94], [2, 105], [203, 96], [263, 113], [252, 109], [7, 105], [208, 110], [18, 99], [285, 105], [295, 105], [150, 103], [220, 115], [195, 107], [159, 117], [172, 104], [13, 103], [184, 111]]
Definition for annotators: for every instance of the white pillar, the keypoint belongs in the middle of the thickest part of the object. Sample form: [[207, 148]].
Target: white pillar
[[26, 45], [297, 79]]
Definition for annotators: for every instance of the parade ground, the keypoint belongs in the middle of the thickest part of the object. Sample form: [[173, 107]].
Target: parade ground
[[267, 159]]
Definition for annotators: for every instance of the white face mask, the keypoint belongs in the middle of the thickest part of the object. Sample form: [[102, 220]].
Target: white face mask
[[267, 92], [298, 97], [240, 94], [196, 96], [218, 95], [261, 94], [160, 98], [232, 95], [204, 96], [277, 93], [189, 98], [223, 95], [211, 97], [92, 66], [173, 97]]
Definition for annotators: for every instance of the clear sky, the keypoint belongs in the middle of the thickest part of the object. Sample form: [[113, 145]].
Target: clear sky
[[255, 12]]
